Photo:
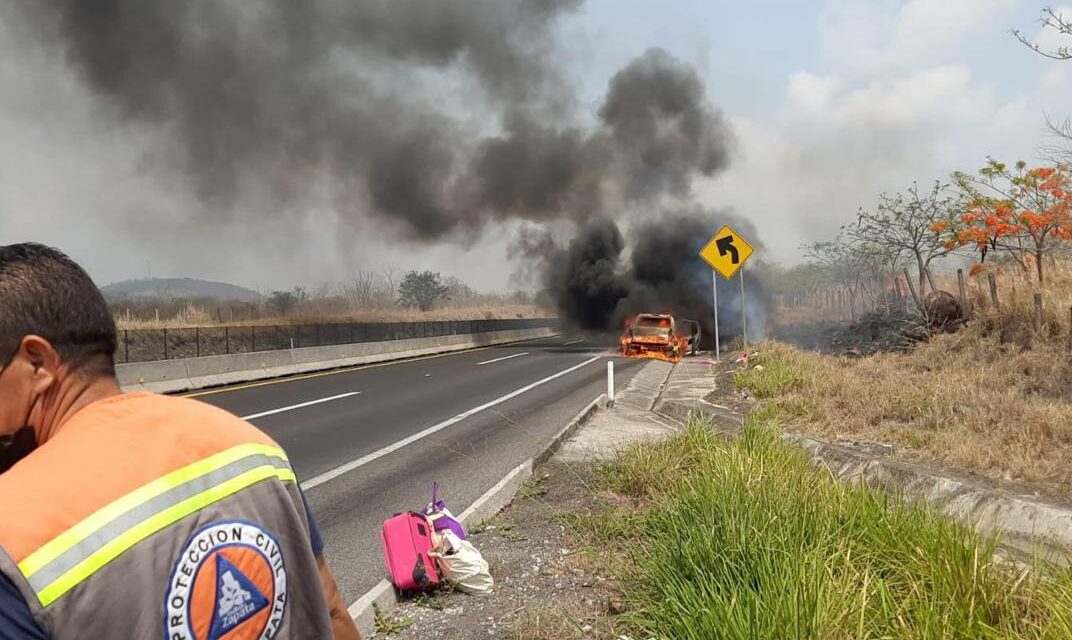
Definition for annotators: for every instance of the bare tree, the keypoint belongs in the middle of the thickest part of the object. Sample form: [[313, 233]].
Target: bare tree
[[884, 265], [389, 275], [1061, 151], [1061, 129], [845, 263], [913, 223], [459, 293], [1056, 21], [364, 291]]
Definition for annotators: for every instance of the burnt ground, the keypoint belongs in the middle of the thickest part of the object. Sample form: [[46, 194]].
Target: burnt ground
[[546, 587], [815, 336], [872, 333]]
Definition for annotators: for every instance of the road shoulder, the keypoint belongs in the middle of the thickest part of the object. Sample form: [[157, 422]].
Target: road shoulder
[[546, 585]]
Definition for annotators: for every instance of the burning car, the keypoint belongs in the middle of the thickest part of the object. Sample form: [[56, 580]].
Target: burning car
[[659, 336]]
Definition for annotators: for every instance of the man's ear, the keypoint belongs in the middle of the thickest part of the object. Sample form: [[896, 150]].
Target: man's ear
[[43, 361]]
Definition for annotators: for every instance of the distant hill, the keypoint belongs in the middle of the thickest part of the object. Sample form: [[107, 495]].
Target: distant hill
[[171, 288]]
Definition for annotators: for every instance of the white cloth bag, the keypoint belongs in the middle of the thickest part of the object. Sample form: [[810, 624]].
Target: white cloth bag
[[462, 565]]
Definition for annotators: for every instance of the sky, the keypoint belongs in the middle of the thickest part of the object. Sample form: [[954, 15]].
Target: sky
[[830, 103]]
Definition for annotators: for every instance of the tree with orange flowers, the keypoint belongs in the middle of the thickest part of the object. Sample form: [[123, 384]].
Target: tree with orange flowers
[[1026, 212]]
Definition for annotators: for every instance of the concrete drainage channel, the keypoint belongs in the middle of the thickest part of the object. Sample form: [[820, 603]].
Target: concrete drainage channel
[[383, 596]]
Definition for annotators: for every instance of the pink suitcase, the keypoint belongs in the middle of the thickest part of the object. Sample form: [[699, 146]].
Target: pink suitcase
[[407, 541]]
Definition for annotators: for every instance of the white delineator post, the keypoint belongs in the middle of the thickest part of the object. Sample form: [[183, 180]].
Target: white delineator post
[[610, 383], [714, 289]]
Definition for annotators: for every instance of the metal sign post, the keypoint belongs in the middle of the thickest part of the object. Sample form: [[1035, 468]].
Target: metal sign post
[[714, 289], [744, 314]]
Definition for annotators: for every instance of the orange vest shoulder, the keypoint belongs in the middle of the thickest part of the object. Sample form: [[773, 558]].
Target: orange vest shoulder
[[104, 452]]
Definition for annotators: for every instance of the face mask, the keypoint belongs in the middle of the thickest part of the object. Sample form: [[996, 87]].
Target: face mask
[[16, 446]]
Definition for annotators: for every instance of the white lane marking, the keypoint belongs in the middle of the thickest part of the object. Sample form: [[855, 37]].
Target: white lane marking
[[516, 355], [566, 344], [328, 476], [299, 406]]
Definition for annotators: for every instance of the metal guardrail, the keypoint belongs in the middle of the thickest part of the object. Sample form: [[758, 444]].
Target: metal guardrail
[[146, 345]]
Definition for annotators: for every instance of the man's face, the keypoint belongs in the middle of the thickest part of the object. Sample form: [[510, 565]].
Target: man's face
[[19, 394], [16, 398]]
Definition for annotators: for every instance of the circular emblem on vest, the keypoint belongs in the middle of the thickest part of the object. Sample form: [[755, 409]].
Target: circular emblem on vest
[[229, 582]]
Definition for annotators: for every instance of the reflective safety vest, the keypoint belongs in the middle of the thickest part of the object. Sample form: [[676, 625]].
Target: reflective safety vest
[[157, 517]]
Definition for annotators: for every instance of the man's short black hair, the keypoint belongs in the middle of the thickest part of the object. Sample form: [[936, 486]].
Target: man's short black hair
[[45, 293]]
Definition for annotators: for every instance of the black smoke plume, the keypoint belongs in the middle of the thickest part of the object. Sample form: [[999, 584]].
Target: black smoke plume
[[289, 104], [430, 118], [597, 284]]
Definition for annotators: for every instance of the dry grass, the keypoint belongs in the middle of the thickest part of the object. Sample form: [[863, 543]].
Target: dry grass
[[994, 398], [1014, 320], [965, 401], [546, 623], [193, 316]]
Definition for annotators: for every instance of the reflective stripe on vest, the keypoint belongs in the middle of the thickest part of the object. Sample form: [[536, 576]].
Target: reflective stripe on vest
[[76, 554]]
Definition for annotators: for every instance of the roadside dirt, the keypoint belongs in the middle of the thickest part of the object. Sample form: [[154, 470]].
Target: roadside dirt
[[545, 587]]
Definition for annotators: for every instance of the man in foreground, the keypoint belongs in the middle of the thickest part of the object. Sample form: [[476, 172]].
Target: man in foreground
[[136, 515]]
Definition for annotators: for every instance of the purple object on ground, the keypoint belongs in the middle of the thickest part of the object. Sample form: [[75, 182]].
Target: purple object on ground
[[441, 517]]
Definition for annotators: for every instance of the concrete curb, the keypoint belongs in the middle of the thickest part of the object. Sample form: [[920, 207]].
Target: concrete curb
[[1029, 525], [383, 595], [186, 374]]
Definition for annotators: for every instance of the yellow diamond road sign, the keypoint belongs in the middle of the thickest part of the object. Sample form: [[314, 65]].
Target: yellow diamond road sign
[[726, 252]]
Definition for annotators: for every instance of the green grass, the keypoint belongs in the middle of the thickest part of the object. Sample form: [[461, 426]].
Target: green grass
[[389, 626], [532, 488], [745, 539], [770, 379], [430, 601]]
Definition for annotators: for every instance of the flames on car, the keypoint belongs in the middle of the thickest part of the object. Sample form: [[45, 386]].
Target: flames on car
[[659, 336]]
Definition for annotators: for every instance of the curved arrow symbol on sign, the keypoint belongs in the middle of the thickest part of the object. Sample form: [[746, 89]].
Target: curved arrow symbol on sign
[[725, 245]]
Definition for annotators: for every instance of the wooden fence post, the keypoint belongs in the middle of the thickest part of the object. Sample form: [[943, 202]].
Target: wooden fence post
[[930, 279], [993, 291], [963, 296], [1038, 313]]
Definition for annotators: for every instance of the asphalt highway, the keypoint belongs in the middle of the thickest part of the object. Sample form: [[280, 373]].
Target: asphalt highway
[[368, 442]]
